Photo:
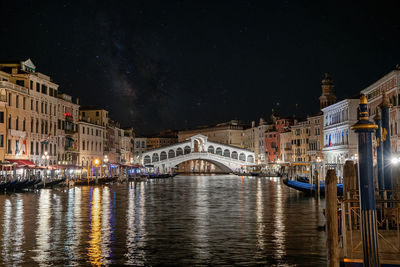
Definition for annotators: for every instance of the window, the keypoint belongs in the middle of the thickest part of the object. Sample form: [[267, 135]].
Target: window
[[24, 103], [31, 85], [44, 89], [1, 140], [83, 145], [32, 148], [97, 113], [31, 104], [37, 89], [83, 129], [23, 125], [83, 114], [41, 107], [9, 122], [17, 101], [1, 117], [59, 124], [37, 148], [9, 99], [45, 108], [20, 82], [31, 125], [9, 151]]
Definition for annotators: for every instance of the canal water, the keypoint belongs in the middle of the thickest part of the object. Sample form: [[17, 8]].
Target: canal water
[[186, 220]]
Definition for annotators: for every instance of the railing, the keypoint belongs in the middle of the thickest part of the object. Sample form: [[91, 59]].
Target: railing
[[203, 155], [14, 87], [388, 222]]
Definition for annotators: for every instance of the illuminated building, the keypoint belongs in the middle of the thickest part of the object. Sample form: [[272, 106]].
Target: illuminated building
[[391, 83], [230, 133], [91, 144]]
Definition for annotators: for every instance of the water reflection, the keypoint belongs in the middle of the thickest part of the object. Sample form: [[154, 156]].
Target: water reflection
[[279, 224], [94, 250], [260, 216], [198, 220], [135, 230], [43, 228]]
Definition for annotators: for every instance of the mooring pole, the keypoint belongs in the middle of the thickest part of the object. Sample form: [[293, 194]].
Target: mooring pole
[[369, 234], [331, 219]]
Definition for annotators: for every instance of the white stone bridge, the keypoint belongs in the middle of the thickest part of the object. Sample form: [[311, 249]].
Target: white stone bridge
[[227, 158]]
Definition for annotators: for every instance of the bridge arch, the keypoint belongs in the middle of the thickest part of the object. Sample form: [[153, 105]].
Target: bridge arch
[[187, 150], [155, 157], [234, 155], [171, 154], [242, 157], [250, 159], [179, 151], [211, 149], [227, 153], [220, 165], [163, 155], [218, 151]]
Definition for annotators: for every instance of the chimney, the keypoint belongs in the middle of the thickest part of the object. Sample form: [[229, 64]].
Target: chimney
[[253, 124]]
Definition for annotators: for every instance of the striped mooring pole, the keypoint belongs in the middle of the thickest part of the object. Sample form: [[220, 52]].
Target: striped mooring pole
[[364, 128], [379, 153]]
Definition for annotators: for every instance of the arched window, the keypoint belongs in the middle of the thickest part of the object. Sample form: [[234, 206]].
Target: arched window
[[227, 153], [155, 157], [163, 155], [242, 157], [234, 155], [171, 154], [211, 149], [147, 159], [218, 151], [179, 151], [250, 159], [187, 150]]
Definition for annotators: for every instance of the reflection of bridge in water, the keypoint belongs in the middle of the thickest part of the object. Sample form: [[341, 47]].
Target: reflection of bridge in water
[[202, 155]]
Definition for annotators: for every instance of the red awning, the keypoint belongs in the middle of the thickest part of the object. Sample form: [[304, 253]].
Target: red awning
[[22, 163]]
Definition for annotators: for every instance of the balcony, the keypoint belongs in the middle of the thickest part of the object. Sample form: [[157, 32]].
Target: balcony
[[8, 85], [16, 133]]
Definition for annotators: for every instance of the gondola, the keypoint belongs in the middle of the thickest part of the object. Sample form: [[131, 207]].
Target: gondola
[[305, 187]]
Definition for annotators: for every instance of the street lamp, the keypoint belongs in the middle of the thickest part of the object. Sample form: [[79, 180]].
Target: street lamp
[[45, 159], [96, 163]]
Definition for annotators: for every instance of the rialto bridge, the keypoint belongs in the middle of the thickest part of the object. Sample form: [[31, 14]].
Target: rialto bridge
[[198, 149]]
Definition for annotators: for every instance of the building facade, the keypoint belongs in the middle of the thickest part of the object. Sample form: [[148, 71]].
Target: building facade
[[91, 143], [391, 84], [229, 133], [340, 142]]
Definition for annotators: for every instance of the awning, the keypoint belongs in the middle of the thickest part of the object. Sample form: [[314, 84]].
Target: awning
[[22, 163]]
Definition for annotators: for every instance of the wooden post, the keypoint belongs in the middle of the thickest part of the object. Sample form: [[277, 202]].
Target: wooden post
[[331, 218], [316, 182], [349, 177]]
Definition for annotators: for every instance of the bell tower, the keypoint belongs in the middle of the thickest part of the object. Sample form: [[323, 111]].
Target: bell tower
[[327, 97]]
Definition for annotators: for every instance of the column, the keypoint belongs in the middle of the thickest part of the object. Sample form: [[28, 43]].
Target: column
[[369, 234], [379, 152]]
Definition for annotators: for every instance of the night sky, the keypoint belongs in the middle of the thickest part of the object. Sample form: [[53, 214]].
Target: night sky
[[178, 64]]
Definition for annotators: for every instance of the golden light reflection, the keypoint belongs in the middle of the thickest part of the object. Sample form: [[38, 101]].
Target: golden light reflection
[[201, 214], [279, 233], [94, 250]]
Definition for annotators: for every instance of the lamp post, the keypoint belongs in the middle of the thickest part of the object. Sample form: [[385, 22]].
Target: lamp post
[[105, 160], [45, 159], [96, 163]]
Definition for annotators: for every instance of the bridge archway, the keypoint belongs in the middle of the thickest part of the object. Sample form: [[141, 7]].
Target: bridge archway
[[220, 165], [171, 154], [211, 149]]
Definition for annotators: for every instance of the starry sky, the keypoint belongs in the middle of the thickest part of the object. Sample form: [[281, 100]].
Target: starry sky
[[159, 65]]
